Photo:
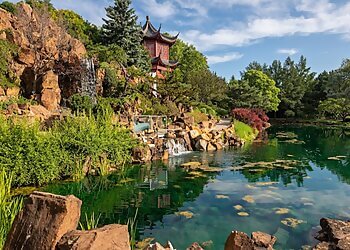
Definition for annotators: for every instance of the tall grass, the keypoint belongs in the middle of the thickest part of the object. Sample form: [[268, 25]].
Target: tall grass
[[132, 225], [9, 207], [35, 156], [90, 222]]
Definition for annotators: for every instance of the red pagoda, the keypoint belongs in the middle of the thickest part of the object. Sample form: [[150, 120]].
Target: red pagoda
[[158, 45]]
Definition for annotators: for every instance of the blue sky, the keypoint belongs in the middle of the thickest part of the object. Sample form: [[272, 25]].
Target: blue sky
[[232, 33]]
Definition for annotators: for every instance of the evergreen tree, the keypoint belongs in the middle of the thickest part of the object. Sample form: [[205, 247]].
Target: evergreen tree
[[121, 28]]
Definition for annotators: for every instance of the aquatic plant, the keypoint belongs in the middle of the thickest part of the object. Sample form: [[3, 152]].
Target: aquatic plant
[[9, 206], [132, 225], [90, 222]]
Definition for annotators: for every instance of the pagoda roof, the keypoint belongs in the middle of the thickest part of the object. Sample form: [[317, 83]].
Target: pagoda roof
[[149, 31], [166, 63]]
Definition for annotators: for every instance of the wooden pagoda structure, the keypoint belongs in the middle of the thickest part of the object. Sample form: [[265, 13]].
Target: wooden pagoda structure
[[158, 44]]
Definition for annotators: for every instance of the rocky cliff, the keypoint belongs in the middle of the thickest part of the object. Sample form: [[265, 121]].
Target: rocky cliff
[[48, 60]]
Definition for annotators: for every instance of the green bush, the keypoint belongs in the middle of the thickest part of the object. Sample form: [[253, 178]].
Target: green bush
[[244, 131], [37, 157], [79, 103]]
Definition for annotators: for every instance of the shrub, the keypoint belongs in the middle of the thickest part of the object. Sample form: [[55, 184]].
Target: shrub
[[36, 157], [244, 131], [253, 117], [79, 103]]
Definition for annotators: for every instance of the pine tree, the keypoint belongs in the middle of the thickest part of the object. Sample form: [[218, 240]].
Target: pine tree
[[121, 29]]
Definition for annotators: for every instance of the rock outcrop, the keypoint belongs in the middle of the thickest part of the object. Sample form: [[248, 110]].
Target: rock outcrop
[[48, 57], [335, 234], [50, 221], [241, 241], [44, 219]]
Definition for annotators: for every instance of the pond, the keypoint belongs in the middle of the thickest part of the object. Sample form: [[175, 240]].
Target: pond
[[302, 175]]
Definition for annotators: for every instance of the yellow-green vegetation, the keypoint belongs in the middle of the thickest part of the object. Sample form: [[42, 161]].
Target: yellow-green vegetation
[[36, 156], [244, 131], [9, 206], [292, 222], [243, 214]]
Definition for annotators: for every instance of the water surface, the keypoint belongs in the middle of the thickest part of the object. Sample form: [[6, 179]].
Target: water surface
[[315, 187]]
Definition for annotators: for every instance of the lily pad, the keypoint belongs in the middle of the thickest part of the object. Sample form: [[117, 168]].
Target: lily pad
[[263, 184], [243, 214], [248, 198], [191, 164], [238, 207], [282, 211], [186, 214], [221, 196]]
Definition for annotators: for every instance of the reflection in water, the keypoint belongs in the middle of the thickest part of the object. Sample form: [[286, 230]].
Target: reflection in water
[[285, 200]]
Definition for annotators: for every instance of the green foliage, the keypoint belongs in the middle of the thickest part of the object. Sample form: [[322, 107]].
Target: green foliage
[[207, 87], [8, 6], [338, 85], [90, 223], [121, 28], [92, 137], [33, 157], [255, 90], [9, 206], [191, 60], [20, 100], [244, 131], [76, 26], [79, 103], [7, 52], [336, 108], [108, 54], [294, 80], [36, 157]]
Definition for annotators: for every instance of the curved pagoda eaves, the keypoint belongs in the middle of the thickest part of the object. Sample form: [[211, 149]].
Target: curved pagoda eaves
[[165, 63], [149, 31]]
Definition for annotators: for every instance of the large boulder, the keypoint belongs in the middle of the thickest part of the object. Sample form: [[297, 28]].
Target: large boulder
[[51, 93], [335, 234], [114, 237], [258, 241], [42, 222]]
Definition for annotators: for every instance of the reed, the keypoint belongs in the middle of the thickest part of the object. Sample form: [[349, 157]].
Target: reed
[[9, 206]]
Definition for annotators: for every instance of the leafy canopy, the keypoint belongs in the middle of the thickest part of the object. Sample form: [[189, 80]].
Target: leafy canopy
[[255, 90]]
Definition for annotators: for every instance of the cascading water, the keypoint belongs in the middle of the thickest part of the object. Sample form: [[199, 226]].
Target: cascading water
[[88, 79], [176, 147]]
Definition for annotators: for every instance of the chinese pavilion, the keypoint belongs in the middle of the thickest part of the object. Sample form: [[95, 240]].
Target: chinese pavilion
[[158, 45]]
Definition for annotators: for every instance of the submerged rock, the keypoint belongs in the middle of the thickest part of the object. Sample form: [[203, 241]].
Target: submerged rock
[[195, 246], [292, 222], [238, 207]]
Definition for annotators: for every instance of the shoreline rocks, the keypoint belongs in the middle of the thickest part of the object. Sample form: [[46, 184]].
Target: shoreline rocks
[[335, 234], [241, 241]]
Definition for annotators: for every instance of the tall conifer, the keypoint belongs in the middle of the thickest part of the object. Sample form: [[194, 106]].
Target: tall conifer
[[121, 28]]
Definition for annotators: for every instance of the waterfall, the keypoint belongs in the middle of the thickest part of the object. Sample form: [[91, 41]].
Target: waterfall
[[176, 147], [88, 79]]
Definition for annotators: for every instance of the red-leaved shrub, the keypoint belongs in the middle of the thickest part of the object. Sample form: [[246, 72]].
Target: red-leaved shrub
[[253, 117]]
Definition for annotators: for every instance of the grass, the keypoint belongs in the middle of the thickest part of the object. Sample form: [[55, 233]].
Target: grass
[[9, 206], [90, 222], [244, 131], [132, 224]]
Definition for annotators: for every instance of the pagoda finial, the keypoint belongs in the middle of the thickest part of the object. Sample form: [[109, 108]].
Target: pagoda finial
[[160, 27], [147, 18]]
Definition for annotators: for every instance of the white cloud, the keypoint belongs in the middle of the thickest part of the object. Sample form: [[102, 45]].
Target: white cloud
[[327, 19], [224, 58], [289, 52], [156, 9]]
